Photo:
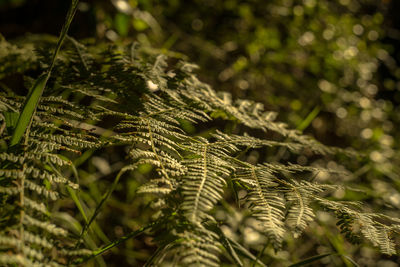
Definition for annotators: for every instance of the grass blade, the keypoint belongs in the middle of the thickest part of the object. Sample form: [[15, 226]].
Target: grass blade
[[103, 200], [232, 252], [228, 246], [37, 89], [242, 250], [260, 254], [310, 117], [28, 109], [351, 260], [77, 201], [64, 30], [310, 260], [116, 243]]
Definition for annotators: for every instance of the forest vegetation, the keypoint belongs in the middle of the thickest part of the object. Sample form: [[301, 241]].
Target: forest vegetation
[[199, 133]]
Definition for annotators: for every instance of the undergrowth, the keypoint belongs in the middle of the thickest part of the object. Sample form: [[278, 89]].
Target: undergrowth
[[99, 96]]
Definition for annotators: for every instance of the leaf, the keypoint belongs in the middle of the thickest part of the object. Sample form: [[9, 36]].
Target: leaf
[[37, 89], [29, 108]]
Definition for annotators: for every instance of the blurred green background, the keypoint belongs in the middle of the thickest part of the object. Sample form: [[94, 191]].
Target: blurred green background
[[328, 68]]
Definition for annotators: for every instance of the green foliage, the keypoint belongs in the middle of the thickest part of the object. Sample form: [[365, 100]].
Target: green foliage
[[123, 147], [106, 97]]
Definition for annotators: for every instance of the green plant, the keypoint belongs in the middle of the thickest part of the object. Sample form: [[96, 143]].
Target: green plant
[[108, 96]]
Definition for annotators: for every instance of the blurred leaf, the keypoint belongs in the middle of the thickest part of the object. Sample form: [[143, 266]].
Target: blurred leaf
[[139, 25], [122, 24]]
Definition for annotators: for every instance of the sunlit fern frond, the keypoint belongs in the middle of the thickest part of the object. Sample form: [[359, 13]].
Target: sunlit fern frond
[[157, 128], [249, 113], [300, 195], [202, 185], [267, 204], [376, 228]]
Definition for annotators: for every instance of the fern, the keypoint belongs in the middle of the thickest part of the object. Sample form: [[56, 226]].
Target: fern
[[149, 99], [30, 180], [28, 184], [267, 204]]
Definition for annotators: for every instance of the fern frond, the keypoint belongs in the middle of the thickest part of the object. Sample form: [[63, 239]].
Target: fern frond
[[41, 190], [268, 205], [249, 113], [368, 224], [41, 174], [49, 227], [40, 207], [204, 181], [197, 248], [33, 238], [16, 259], [300, 195], [10, 53]]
